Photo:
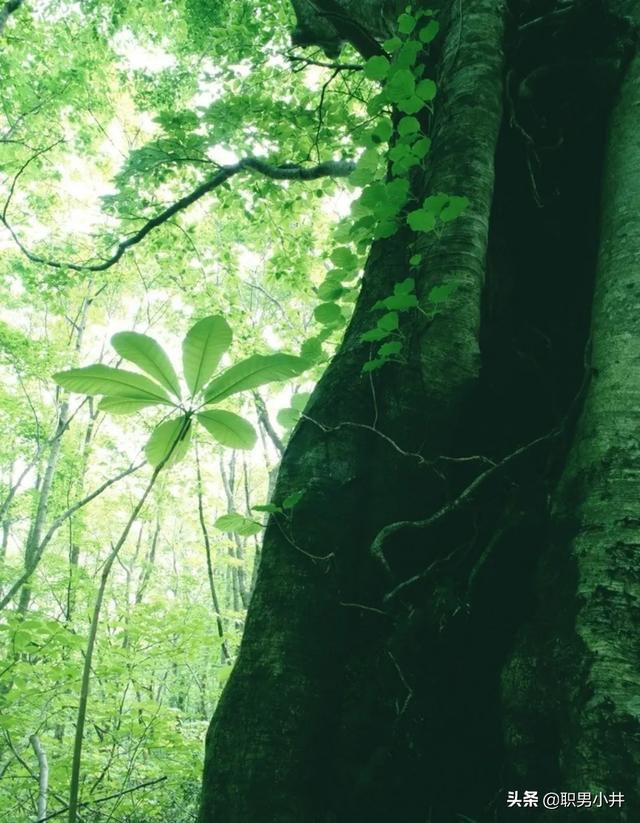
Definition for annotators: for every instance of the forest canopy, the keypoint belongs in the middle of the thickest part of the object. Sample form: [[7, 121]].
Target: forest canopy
[[112, 114]]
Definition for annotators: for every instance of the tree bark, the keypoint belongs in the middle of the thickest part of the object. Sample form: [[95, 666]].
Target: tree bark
[[306, 647]]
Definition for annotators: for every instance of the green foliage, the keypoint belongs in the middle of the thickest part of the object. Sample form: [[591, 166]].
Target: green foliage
[[202, 349], [237, 524], [148, 355], [148, 106]]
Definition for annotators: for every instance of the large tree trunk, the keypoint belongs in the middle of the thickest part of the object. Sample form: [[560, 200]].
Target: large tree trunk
[[425, 686]]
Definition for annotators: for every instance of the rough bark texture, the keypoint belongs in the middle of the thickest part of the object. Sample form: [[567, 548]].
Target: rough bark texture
[[496, 647]]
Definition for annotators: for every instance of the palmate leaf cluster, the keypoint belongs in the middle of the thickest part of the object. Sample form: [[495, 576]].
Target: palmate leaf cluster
[[126, 392]]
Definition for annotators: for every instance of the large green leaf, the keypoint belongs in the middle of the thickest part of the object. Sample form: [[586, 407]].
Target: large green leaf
[[229, 429], [100, 379], [253, 372], [149, 355], [124, 405], [237, 524], [169, 440], [202, 349]]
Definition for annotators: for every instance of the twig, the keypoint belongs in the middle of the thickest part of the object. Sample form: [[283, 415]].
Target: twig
[[307, 61], [330, 168], [108, 797]]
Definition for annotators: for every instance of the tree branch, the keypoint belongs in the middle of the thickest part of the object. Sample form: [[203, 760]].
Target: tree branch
[[348, 28], [56, 525], [330, 168], [7, 10], [108, 797]]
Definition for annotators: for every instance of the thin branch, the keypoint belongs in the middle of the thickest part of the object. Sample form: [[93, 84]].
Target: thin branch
[[108, 797], [265, 422], [22, 170], [56, 525], [207, 547], [306, 61], [330, 168]]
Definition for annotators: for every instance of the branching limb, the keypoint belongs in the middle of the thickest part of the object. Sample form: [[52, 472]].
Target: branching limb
[[303, 62], [144, 785], [330, 168], [56, 525]]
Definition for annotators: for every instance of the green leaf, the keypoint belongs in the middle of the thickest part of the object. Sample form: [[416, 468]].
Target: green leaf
[[344, 258], [100, 379], [148, 355], [386, 228], [408, 125], [376, 68], [400, 302], [253, 372], [405, 286], [372, 365], [389, 321], [292, 499], [400, 86], [383, 130], [269, 508], [428, 33], [124, 405], [406, 23], [440, 294], [415, 260], [392, 44], [202, 349], [229, 429], [237, 524], [331, 289], [288, 418], [169, 441], [435, 203], [421, 147], [300, 400], [390, 348], [411, 105], [311, 349], [421, 220], [408, 54], [454, 208], [373, 335], [328, 314], [426, 90]]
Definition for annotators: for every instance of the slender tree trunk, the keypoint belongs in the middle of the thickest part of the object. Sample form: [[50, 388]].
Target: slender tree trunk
[[43, 776], [32, 549]]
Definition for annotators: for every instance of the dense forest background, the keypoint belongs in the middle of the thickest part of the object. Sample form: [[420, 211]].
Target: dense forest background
[[111, 112], [362, 275]]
